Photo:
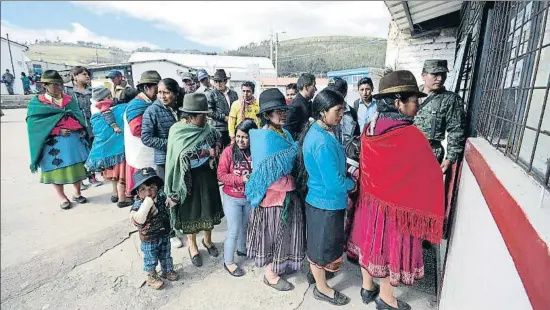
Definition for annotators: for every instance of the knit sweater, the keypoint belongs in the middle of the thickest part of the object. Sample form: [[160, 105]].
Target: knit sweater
[[325, 163]]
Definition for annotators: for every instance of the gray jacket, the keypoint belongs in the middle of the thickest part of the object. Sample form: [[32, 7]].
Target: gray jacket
[[348, 127], [219, 107], [84, 104]]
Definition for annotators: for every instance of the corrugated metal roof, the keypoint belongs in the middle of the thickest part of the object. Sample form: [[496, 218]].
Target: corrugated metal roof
[[420, 11], [209, 62]]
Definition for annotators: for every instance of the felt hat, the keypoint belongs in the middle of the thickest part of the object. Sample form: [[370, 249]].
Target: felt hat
[[149, 77], [400, 81], [51, 76], [195, 103], [143, 175], [435, 66], [220, 75], [272, 99]]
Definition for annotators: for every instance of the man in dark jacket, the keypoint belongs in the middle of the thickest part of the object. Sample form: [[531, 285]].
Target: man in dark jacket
[[219, 102], [300, 107], [348, 127]]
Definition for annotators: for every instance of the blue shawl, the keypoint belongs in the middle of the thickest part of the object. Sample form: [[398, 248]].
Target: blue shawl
[[108, 146], [136, 107], [272, 158]]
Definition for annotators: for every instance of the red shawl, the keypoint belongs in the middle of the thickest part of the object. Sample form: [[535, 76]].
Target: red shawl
[[400, 172]]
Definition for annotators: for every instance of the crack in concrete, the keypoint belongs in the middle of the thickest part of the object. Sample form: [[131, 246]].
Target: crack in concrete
[[107, 250], [76, 265], [303, 298]]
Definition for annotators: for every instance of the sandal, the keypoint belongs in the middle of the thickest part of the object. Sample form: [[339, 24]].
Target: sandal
[[80, 199], [66, 205], [339, 299]]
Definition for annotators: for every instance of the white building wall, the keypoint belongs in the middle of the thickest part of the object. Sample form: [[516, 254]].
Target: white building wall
[[19, 65], [406, 53], [480, 272], [165, 69]]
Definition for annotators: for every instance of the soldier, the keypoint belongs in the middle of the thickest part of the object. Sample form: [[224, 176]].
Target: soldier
[[442, 111]]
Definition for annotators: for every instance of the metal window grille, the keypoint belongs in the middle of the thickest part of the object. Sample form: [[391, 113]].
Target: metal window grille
[[514, 115]]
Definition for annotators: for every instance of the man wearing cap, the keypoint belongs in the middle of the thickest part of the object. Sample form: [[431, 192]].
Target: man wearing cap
[[119, 85], [204, 80], [189, 84], [219, 101], [441, 112]]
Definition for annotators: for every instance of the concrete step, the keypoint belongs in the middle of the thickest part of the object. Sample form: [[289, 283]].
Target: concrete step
[[15, 101]]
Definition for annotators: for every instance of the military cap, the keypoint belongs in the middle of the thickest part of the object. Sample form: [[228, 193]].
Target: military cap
[[435, 66]]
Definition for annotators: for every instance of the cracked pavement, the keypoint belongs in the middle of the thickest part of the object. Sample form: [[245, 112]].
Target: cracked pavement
[[89, 257]]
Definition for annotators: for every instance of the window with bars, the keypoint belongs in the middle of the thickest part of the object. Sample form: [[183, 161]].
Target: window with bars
[[514, 115]]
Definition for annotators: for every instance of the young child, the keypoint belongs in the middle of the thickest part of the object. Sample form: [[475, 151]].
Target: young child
[[150, 216], [102, 102]]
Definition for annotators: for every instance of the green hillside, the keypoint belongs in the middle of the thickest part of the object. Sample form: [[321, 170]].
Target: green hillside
[[74, 54], [321, 54]]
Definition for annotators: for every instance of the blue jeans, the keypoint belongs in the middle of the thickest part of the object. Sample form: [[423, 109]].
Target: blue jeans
[[236, 211]]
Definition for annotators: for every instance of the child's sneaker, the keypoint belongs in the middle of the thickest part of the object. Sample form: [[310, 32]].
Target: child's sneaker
[[154, 281], [170, 276]]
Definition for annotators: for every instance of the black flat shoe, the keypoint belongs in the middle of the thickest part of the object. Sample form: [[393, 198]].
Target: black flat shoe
[[213, 251], [311, 280], [282, 285], [80, 199], [114, 199], [236, 273], [65, 205], [241, 254], [124, 204], [339, 299], [195, 260], [369, 296], [382, 305]]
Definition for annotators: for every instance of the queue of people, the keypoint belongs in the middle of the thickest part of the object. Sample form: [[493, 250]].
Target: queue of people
[[283, 163]]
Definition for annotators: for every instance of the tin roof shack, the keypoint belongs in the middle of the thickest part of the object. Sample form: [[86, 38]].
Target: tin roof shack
[[240, 69], [15, 57]]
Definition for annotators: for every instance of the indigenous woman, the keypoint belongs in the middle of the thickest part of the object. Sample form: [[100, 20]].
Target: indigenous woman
[[401, 195], [107, 153], [57, 142], [276, 228], [233, 171], [190, 183], [138, 155], [326, 200]]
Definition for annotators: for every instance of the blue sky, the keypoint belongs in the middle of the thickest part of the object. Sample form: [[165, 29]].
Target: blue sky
[[206, 26]]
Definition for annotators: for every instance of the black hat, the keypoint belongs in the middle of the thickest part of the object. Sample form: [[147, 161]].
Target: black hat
[[220, 75], [195, 103], [400, 81], [51, 76], [142, 175], [272, 99]]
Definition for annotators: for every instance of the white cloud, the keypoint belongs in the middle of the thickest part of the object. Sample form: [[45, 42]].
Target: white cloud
[[231, 24], [77, 33]]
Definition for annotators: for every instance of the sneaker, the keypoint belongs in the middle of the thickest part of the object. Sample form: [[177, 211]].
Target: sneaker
[[170, 276], [154, 281], [176, 242], [94, 182]]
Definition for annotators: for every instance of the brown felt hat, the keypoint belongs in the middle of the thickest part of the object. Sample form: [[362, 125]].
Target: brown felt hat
[[400, 81], [220, 75], [51, 76]]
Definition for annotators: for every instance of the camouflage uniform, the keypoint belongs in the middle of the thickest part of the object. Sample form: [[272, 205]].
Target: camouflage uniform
[[439, 113]]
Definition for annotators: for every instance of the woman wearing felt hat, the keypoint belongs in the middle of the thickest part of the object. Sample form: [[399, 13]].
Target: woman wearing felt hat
[[276, 227], [57, 138], [191, 183], [400, 195]]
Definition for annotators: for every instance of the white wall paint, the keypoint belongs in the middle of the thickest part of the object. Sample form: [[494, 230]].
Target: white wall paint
[[480, 273], [406, 53], [165, 69], [18, 62]]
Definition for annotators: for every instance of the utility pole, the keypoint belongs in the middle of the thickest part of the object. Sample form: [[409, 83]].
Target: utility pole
[[271, 45], [11, 57], [96, 57], [277, 53]]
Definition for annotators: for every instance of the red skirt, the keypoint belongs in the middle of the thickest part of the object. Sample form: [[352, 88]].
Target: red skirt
[[129, 180], [116, 173], [380, 249]]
